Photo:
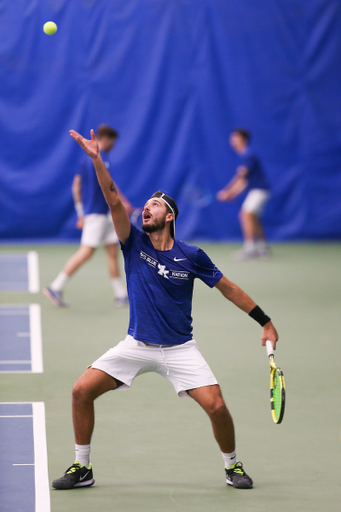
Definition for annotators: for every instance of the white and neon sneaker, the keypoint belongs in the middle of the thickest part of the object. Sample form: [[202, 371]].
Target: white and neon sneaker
[[236, 476]]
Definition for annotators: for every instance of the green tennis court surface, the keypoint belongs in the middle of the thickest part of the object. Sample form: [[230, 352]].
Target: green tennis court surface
[[152, 451]]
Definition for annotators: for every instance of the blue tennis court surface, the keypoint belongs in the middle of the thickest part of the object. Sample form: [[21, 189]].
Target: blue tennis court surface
[[19, 272], [24, 483], [20, 335]]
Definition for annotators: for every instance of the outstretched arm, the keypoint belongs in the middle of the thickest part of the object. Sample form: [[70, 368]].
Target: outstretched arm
[[235, 186], [233, 293], [127, 204], [118, 212]]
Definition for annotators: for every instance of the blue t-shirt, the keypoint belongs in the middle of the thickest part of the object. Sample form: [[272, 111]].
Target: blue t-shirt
[[160, 288], [255, 175], [92, 195]]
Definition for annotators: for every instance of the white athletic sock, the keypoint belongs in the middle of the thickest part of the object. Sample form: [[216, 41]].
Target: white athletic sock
[[58, 284], [119, 288], [83, 454], [249, 246], [229, 458]]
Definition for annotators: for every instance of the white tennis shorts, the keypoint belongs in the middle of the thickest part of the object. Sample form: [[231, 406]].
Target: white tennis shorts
[[255, 201], [98, 229], [183, 365]]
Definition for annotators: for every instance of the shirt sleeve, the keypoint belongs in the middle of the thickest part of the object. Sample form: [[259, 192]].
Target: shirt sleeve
[[206, 270], [129, 242]]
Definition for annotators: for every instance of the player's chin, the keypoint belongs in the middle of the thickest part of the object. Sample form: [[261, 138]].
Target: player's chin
[[148, 228], [153, 226]]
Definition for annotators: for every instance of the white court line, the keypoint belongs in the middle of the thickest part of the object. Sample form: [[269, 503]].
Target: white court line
[[43, 503], [33, 272], [15, 403], [15, 362], [18, 416], [36, 339]]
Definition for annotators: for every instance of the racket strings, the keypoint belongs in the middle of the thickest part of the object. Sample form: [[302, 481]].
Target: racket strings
[[277, 393]]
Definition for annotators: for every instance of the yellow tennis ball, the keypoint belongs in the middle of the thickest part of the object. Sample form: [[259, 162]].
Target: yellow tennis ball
[[50, 28]]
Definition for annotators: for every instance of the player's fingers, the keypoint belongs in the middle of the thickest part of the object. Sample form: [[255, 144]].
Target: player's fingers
[[266, 337], [76, 136], [93, 136]]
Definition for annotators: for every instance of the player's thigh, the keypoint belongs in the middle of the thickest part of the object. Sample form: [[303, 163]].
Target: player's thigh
[[209, 397], [186, 368], [125, 361], [93, 383], [94, 230]]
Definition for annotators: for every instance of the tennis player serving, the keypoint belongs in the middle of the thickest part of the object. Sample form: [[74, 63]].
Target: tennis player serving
[[160, 272]]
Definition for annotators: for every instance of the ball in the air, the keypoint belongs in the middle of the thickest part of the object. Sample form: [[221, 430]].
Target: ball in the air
[[50, 28]]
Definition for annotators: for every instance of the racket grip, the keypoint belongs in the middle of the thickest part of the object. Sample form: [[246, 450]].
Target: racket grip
[[269, 348]]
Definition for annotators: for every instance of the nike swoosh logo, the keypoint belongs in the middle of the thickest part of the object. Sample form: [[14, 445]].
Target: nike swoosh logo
[[82, 477], [180, 259]]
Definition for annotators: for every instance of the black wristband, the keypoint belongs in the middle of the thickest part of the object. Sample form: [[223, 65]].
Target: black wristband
[[258, 314]]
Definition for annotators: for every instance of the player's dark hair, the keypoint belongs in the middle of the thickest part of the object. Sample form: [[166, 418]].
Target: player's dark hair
[[170, 201], [243, 132], [171, 208], [104, 130]]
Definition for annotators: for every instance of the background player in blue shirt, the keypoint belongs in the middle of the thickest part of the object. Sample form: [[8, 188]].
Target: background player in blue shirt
[[160, 272], [250, 176], [94, 218]]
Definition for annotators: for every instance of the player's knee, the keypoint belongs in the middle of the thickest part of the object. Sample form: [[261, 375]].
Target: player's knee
[[217, 408], [80, 392], [88, 254]]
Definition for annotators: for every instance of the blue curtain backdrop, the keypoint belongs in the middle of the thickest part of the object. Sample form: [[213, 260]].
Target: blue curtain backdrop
[[174, 77]]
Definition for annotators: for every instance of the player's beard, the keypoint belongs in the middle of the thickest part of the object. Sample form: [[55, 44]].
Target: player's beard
[[157, 226]]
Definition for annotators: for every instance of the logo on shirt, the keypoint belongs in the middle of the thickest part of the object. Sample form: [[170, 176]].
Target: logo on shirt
[[151, 261], [162, 271], [180, 259], [176, 274]]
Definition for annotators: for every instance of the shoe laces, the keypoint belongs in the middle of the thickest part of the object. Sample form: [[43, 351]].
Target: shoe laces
[[72, 469], [236, 468]]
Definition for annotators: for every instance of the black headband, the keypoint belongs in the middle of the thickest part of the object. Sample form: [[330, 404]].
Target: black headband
[[169, 201]]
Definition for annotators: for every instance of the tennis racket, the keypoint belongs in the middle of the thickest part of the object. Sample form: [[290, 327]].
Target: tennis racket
[[277, 386], [197, 196]]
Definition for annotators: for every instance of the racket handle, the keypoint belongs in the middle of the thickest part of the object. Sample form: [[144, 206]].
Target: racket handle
[[269, 348]]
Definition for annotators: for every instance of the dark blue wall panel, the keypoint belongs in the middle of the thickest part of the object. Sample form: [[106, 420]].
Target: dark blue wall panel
[[174, 77]]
